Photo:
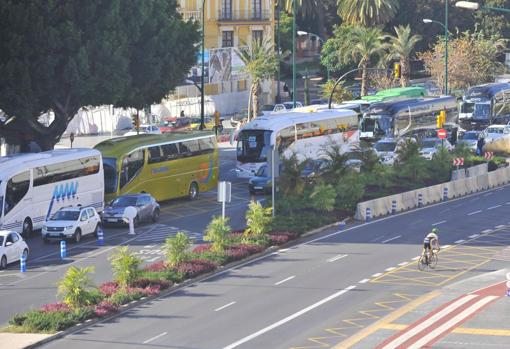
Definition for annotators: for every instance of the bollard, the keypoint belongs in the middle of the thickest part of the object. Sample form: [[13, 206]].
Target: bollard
[[23, 263], [508, 284], [368, 214], [393, 206], [341, 225], [100, 236], [420, 199], [63, 253], [445, 194]]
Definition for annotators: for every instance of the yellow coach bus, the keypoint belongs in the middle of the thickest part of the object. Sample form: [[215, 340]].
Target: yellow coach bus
[[167, 166]]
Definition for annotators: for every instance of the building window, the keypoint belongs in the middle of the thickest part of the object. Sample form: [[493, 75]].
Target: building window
[[256, 9], [227, 39], [257, 36], [226, 9]]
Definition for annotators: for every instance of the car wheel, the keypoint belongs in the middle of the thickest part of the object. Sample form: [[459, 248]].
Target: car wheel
[[25, 253], [77, 235], [193, 191], [27, 228], [155, 216], [3, 262]]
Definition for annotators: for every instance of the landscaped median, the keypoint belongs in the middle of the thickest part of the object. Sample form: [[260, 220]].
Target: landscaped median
[[82, 301]]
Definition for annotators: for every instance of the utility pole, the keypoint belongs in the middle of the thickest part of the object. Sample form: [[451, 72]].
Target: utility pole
[[202, 90]]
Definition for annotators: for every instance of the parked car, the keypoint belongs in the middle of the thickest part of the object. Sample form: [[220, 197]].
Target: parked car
[[12, 246], [174, 124], [493, 132], [144, 129], [195, 123], [430, 146], [286, 106], [147, 207], [386, 150], [470, 139], [71, 223]]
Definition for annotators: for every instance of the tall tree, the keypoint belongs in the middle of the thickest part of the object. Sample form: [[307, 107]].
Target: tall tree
[[367, 12], [260, 63], [60, 55], [362, 45], [400, 48], [312, 10]]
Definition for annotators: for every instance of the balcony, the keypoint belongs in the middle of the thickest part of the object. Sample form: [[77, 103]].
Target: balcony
[[244, 16], [193, 15]]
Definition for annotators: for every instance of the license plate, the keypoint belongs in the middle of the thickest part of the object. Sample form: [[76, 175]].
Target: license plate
[[258, 188], [54, 234], [113, 220]]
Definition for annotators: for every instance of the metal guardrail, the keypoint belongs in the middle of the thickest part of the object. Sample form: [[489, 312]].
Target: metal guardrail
[[232, 16]]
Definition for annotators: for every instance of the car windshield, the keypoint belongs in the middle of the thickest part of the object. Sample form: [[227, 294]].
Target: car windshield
[[385, 146], [66, 216], [124, 201], [495, 130], [262, 172], [470, 136], [428, 144]]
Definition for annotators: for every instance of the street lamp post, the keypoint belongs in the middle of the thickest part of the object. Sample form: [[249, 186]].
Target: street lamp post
[[301, 33], [426, 20], [293, 53], [202, 97], [278, 97], [469, 5]]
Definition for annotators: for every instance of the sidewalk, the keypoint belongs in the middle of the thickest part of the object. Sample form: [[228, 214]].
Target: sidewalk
[[472, 313]]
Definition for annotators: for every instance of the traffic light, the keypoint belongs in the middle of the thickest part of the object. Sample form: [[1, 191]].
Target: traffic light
[[136, 121], [396, 70], [441, 119], [217, 119]]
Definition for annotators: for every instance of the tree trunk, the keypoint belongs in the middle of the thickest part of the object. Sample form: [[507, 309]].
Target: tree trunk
[[405, 72], [249, 102], [255, 100], [364, 78]]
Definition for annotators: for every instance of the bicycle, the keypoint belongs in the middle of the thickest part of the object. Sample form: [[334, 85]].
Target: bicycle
[[428, 259]]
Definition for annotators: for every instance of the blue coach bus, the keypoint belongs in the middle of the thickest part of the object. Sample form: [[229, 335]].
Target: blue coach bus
[[483, 104]]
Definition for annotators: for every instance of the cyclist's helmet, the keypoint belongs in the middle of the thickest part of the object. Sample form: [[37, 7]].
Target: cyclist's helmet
[[435, 230]]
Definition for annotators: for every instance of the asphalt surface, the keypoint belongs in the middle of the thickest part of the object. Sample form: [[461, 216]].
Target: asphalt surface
[[322, 288]]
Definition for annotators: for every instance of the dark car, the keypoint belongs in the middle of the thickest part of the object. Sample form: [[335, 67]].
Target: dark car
[[147, 207]]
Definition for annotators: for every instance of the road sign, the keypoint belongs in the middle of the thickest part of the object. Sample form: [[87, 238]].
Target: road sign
[[224, 195], [441, 133], [458, 161], [488, 155]]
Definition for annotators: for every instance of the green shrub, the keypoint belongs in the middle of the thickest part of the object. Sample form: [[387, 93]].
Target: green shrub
[[258, 219], [168, 274], [124, 296], [82, 314], [176, 249], [18, 319], [217, 232], [37, 321], [349, 191], [217, 257], [323, 197], [76, 287], [125, 266]]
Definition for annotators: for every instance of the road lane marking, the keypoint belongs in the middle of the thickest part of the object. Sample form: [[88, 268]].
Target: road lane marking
[[285, 280], [428, 322], [452, 322], [459, 330], [446, 246], [391, 239], [416, 258], [501, 226], [225, 306], [340, 256], [364, 281], [493, 207], [403, 263], [155, 337], [376, 275], [486, 231], [490, 193], [288, 318], [459, 241], [283, 250], [472, 213], [473, 236], [390, 269], [437, 223]]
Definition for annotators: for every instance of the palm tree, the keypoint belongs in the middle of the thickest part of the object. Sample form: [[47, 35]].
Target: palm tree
[[361, 45], [367, 12], [309, 9], [399, 48], [260, 63]]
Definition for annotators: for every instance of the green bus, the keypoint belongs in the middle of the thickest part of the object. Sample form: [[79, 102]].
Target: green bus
[[396, 93], [167, 166]]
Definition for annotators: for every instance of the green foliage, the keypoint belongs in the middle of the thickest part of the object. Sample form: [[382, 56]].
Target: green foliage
[[76, 287], [168, 274], [258, 219], [176, 249], [285, 32], [337, 165], [40, 322], [290, 182], [462, 150], [364, 152], [217, 257], [441, 165], [349, 190], [411, 166], [367, 13], [341, 93], [330, 57], [323, 197], [123, 296], [125, 266], [217, 232]]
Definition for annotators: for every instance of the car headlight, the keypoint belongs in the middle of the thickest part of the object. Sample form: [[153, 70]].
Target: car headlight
[[69, 227]]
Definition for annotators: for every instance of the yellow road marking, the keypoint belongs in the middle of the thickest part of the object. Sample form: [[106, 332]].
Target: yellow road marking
[[458, 330], [386, 320]]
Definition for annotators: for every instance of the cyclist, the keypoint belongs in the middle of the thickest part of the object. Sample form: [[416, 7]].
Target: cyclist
[[430, 241]]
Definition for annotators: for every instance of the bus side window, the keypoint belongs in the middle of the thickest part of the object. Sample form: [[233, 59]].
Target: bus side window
[[206, 145], [189, 148], [170, 151], [17, 188], [155, 155], [131, 166]]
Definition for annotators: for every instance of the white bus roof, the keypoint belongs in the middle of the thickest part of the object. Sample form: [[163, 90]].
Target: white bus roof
[[277, 123], [16, 163]]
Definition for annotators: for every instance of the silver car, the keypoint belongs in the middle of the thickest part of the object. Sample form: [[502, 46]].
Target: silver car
[[147, 207]]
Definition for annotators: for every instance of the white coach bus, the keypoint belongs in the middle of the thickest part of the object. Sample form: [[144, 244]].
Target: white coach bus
[[304, 133], [33, 186]]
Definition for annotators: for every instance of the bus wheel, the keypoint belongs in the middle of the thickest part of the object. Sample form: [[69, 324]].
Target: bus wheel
[[193, 191], [27, 227]]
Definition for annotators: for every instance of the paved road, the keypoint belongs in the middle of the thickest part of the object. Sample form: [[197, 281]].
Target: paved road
[[45, 268], [319, 292]]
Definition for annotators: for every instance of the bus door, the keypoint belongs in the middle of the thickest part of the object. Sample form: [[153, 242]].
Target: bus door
[[17, 205]]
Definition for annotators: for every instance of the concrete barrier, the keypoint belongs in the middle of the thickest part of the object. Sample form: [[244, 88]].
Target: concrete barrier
[[477, 170], [458, 174]]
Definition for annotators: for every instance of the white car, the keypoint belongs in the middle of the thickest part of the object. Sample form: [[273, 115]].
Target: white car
[[493, 132], [71, 222], [144, 129], [430, 146], [386, 150], [12, 246]]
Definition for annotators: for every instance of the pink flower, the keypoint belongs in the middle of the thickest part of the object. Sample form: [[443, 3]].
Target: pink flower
[[196, 267], [105, 308], [53, 307], [109, 288], [202, 248], [158, 266]]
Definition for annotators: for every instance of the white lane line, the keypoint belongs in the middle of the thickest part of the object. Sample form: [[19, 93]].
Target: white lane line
[[452, 322], [446, 246], [376, 275], [437, 223], [486, 231], [459, 241], [285, 280], [283, 249], [472, 213], [390, 269], [428, 322], [490, 193], [225, 306], [364, 281], [493, 207], [501, 226], [403, 263], [155, 337], [416, 258], [474, 236], [288, 318], [391, 239], [340, 256], [507, 203]]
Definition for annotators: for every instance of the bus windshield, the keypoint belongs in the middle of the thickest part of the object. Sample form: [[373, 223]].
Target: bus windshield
[[379, 124], [482, 111], [110, 175], [385, 146], [253, 145], [467, 108]]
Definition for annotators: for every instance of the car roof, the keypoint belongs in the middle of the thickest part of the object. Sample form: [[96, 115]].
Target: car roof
[[6, 232], [387, 140], [74, 208]]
